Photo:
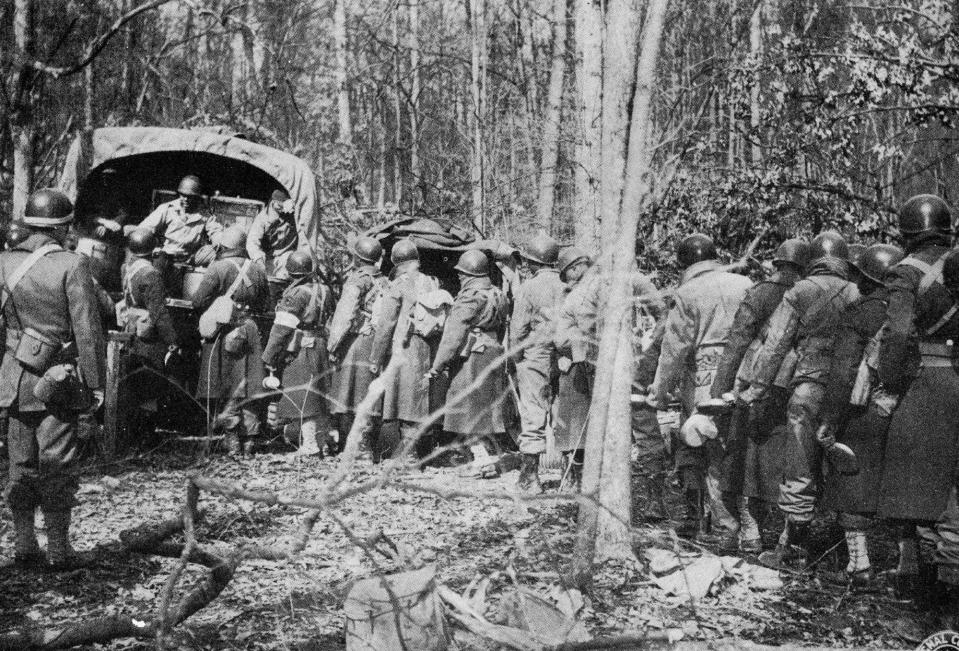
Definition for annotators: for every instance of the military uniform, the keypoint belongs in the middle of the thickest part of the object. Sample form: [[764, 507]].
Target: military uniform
[[469, 346], [304, 307], [806, 320], [576, 342], [752, 466], [56, 299], [231, 372], [405, 399], [533, 327], [696, 331], [183, 232], [272, 238], [351, 340]]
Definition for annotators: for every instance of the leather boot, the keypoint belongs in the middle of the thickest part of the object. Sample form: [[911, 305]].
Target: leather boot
[[27, 551], [528, 480], [692, 524], [59, 551], [792, 552]]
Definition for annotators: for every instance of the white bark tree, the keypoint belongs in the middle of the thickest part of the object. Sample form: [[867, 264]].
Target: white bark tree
[[589, 57], [552, 118]]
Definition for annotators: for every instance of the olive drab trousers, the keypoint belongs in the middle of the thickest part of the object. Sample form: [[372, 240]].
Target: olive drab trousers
[[42, 446], [535, 381], [803, 455]]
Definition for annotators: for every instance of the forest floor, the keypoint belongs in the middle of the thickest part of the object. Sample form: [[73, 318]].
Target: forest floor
[[299, 604]]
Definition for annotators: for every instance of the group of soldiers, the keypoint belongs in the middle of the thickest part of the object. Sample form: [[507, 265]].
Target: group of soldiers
[[830, 385]]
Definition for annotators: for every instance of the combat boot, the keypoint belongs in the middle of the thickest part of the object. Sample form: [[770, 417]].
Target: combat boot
[[528, 480], [232, 444], [692, 524], [573, 475], [309, 446], [59, 551], [792, 551], [27, 550]]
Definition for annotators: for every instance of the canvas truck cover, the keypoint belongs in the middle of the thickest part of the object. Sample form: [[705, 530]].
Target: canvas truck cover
[[90, 151]]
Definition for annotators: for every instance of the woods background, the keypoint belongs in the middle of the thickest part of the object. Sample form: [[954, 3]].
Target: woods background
[[800, 113]]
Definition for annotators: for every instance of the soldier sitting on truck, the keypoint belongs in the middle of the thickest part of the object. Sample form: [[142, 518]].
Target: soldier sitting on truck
[[184, 225], [271, 240]]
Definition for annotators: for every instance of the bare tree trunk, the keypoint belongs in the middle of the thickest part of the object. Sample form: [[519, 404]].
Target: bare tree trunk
[[21, 117], [525, 67], [551, 122], [477, 69], [415, 172], [89, 92], [343, 94], [603, 528], [755, 51], [589, 43], [398, 109]]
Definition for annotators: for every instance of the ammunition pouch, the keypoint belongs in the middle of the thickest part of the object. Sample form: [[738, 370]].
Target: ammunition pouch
[[476, 342], [61, 386], [937, 354], [35, 351]]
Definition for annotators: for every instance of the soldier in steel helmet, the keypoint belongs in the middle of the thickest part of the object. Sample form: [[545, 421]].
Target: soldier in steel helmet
[[917, 361], [183, 223], [857, 411], [296, 350], [351, 343], [273, 238], [531, 333], [752, 465], [576, 342], [143, 315], [401, 336], [53, 373], [231, 373], [695, 334], [471, 352], [807, 321]]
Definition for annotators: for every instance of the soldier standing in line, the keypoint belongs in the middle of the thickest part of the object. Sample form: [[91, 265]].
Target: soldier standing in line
[[273, 237], [351, 343], [752, 466], [807, 321], [696, 332], [470, 345], [857, 412], [54, 361], [531, 331], [145, 317], [576, 345], [297, 350], [917, 361], [231, 373], [399, 334]]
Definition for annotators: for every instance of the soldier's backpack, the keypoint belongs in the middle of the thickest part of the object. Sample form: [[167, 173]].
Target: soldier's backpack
[[432, 307], [131, 317], [221, 311]]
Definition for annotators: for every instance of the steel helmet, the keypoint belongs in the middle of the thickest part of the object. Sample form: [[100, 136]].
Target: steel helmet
[[543, 249], [876, 260], [47, 208], [190, 186], [299, 264], [473, 263], [570, 256], [828, 244], [141, 241], [795, 251], [17, 232], [232, 239], [368, 249], [695, 248], [404, 251], [925, 213]]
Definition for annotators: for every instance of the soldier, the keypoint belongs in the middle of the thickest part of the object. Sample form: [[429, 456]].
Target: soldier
[[144, 315], [752, 466], [806, 320], [470, 345], [531, 331], [273, 237], [351, 342], [297, 350], [575, 341], [54, 362], [857, 411], [231, 373], [400, 334], [917, 361], [184, 224], [696, 332]]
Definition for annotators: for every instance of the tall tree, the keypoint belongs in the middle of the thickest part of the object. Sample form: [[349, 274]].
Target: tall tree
[[589, 56], [551, 121], [345, 122], [478, 113], [415, 172]]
